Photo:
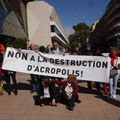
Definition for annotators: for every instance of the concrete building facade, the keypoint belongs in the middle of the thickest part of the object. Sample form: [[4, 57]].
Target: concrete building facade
[[44, 25], [13, 22]]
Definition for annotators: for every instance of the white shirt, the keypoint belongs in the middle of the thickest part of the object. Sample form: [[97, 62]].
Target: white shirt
[[68, 89], [46, 93]]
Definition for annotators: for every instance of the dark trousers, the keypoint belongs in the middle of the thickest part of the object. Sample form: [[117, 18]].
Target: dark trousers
[[70, 102], [34, 81], [9, 77], [34, 78], [45, 101], [97, 84], [89, 84], [57, 94]]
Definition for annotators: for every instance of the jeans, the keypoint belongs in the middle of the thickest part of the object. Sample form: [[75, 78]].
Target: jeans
[[113, 84]]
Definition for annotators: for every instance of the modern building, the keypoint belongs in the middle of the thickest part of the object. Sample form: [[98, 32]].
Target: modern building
[[93, 26], [44, 25], [107, 30], [13, 20]]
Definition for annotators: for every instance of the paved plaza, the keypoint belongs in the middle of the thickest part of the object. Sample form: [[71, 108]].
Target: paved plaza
[[92, 107]]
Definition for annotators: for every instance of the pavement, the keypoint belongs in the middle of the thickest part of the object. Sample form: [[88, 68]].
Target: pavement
[[92, 107]]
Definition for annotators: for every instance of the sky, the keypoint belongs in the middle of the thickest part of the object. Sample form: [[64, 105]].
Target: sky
[[72, 12]]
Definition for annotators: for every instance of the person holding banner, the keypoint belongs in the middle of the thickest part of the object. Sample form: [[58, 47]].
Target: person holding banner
[[76, 51], [88, 51], [34, 78], [98, 84], [55, 49], [2, 51], [11, 75], [114, 72], [48, 49]]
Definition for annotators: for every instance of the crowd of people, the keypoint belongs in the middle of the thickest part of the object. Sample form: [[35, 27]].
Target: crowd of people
[[51, 90]]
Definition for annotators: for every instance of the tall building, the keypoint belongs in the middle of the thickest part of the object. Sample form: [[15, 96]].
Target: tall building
[[44, 25], [107, 30], [93, 26], [13, 22]]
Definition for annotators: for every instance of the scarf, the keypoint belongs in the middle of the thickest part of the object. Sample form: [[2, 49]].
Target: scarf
[[114, 61]]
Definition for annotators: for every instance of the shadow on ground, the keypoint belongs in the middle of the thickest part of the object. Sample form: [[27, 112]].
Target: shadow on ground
[[114, 102], [23, 86]]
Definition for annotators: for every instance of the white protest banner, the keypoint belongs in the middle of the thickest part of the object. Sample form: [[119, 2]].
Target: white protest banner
[[90, 68]]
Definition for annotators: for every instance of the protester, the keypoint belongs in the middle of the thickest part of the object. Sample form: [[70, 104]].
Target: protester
[[88, 51], [42, 49], [70, 92], [98, 84], [55, 49], [57, 88], [45, 93], [11, 75], [76, 51], [2, 51], [34, 78], [48, 49], [114, 72]]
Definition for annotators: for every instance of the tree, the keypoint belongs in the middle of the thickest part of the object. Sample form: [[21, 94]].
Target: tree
[[82, 31], [21, 43], [72, 40], [16, 42]]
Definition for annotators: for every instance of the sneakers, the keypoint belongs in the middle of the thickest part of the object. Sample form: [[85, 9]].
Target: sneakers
[[54, 103], [114, 96]]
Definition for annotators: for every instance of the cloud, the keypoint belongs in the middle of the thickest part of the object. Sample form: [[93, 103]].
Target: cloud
[[69, 30]]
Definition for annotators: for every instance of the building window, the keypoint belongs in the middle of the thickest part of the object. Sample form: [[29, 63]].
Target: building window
[[54, 29]]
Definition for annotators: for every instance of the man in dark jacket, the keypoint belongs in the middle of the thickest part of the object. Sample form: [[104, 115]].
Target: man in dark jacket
[[45, 92]]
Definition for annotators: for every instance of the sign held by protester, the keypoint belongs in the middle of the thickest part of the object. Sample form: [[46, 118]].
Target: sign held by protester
[[87, 68]]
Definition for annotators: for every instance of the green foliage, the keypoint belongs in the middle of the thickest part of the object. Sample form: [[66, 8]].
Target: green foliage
[[21, 43], [81, 28], [82, 31], [17, 42], [73, 40]]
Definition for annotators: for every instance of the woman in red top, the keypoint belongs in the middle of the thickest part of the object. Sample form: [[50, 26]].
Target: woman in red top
[[2, 51], [114, 72], [70, 92]]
